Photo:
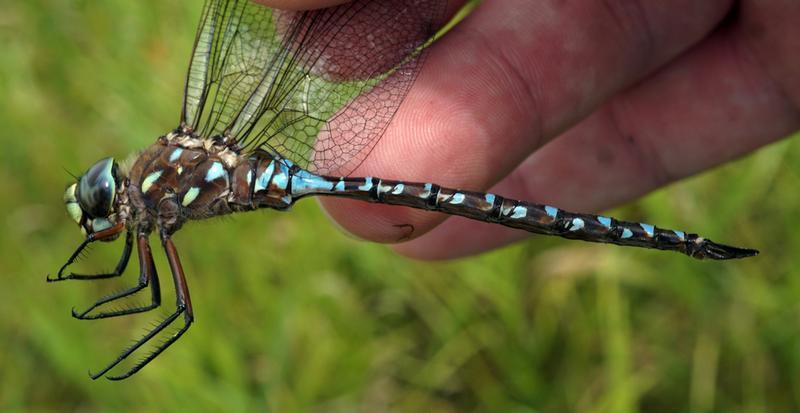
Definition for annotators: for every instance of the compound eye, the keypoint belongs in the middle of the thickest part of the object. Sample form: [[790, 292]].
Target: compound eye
[[97, 188]]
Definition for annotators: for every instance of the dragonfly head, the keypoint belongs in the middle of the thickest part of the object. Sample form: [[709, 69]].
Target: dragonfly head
[[91, 202]]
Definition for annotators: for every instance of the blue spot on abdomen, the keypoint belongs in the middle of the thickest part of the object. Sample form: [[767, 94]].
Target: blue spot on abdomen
[[457, 198], [577, 224], [398, 189], [367, 184]]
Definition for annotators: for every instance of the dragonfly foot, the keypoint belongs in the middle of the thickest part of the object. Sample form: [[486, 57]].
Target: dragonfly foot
[[56, 279]]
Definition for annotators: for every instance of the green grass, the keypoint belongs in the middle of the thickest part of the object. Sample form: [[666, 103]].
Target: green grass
[[294, 316]]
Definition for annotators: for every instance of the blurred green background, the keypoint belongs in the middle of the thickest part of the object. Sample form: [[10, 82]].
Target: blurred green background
[[545, 325]]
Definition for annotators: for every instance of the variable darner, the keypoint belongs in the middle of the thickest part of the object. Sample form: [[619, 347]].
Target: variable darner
[[275, 104]]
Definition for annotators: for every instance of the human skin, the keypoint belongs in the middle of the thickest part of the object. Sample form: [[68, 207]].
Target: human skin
[[583, 105]]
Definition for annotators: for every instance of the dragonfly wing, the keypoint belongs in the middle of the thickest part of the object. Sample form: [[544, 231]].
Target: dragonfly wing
[[315, 87], [234, 45]]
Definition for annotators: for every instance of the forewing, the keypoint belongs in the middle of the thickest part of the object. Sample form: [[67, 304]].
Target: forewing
[[234, 46], [316, 87]]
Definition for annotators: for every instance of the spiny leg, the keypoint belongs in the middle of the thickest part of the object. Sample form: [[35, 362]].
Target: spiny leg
[[183, 307], [120, 268], [147, 276], [98, 236]]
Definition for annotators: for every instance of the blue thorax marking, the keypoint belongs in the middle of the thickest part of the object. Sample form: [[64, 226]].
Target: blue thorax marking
[[680, 234], [175, 154], [551, 211], [605, 221], [149, 180], [339, 185], [648, 229], [216, 171], [190, 195], [489, 199], [626, 233]]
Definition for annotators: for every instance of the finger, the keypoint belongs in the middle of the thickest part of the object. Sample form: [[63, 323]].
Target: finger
[[510, 77], [715, 104], [300, 4]]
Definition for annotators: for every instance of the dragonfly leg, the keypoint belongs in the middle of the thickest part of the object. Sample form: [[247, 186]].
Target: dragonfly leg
[[98, 236], [147, 276], [183, 308]]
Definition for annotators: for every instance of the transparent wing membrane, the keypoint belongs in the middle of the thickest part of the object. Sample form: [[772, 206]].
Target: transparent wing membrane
[[316, 87]]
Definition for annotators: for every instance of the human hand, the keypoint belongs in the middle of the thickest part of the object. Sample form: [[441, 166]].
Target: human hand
[[628, 96]]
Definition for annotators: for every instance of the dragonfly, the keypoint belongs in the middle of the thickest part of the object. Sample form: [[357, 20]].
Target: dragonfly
[[280, 106]]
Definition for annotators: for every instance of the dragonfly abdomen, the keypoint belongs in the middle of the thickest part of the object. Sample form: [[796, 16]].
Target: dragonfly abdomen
[[531, 217], [260, 182]]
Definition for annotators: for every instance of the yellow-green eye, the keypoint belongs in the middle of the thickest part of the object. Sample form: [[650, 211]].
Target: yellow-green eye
[[97, 188]]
